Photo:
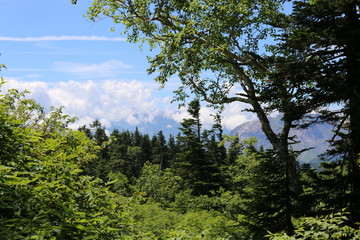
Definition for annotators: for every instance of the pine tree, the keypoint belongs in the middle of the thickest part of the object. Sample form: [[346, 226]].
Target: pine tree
[[215, 154], [322, 42], [160, 151], [190, 160], [146, 148], [259, 177], [98, 167], [174, 148], [120, 141]]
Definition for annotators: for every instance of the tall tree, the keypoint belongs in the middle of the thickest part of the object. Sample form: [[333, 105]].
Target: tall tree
[[190, 161], [120, 141], [98, 167], [264, 206], [215, 153], [225, 38], [160, 151], [324, 35]]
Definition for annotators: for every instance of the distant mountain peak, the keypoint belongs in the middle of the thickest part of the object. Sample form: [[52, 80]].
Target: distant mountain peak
[[316, 136]]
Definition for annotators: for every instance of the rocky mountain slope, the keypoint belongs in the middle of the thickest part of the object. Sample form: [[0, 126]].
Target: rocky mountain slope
[[315, 136]]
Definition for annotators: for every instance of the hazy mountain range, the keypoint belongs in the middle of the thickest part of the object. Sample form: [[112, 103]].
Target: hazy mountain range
[[166, 125], [315, 136]]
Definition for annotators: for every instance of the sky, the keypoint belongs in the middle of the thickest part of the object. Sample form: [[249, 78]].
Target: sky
[[63, 59]]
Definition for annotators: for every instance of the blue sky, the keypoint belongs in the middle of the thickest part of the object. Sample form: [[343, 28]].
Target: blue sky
[[63, 59]]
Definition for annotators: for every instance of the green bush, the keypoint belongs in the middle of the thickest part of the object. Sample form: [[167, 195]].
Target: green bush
[[43, 193], [329, 227]]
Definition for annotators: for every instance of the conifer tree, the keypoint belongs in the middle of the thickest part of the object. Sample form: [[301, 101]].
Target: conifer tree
[[174, 148], [146, 148], [100, 166], [323, 52], [160, 151], [215, 153], [189, 161], [265, 202]]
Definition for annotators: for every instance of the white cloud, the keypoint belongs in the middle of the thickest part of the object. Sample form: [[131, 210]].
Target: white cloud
[[233, 115], [114, 101], [106, 69], [27, 69], [110, 101], [38, 90], [177, 115], [60, 38], [84, 121]]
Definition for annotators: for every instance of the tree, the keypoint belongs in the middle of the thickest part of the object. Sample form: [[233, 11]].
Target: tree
[[322, 40], [174, 148], [100, 166], [264, 198], [120, 141], [190, 162], [215, 153], [224, 38], [160, 151]]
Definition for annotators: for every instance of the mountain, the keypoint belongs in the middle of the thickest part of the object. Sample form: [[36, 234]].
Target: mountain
[[315, 136]]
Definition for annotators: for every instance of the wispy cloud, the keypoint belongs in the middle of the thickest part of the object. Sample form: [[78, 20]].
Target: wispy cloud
[[27, 69], [60, 38], [106, 69]]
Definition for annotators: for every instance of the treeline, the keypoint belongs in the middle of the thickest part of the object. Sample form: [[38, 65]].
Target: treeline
[[292, 57], [194, 171], [57, 183], [195, 155]]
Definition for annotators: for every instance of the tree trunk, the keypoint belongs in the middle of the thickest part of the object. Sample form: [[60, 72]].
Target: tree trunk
[[353, 83], [281, 146]]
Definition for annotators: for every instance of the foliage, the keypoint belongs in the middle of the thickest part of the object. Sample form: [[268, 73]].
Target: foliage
[[97, 166], [261, 188], [160, 186], [43, 191], [154, 222], [330, 227], [321, 52], [194, 163], [57, 183]]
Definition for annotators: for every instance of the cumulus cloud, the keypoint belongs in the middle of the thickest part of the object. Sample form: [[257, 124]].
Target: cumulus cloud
[[106, 69], [233, 115], [113, 101], [110, 101], [60, 38]]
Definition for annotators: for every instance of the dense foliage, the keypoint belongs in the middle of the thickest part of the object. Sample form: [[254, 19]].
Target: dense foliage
[[310, 61], [43, 193], [65, 184], [59, 183]]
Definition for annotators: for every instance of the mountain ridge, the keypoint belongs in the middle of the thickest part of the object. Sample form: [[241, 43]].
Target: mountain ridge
[[316, 136]]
